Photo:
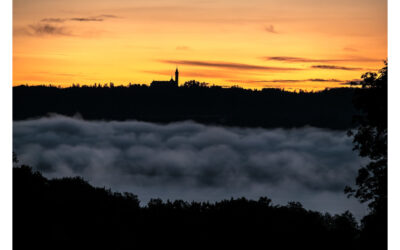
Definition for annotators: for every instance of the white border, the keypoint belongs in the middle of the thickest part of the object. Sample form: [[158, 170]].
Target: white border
[[394, 123], [6, 125]]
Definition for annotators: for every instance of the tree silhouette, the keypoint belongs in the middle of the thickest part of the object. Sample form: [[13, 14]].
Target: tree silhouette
[[69, 213], [195, 84], [370, 140]]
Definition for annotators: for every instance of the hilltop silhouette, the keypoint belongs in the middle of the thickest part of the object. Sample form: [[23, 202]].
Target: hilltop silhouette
[[162, 103]]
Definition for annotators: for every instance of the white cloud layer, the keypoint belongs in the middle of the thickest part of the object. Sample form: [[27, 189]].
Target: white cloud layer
[[190, 161]]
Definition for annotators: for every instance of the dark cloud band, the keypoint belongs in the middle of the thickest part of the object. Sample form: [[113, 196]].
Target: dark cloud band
[[313, 60], [228, 65], [98, 18], [47, 29], [290, 80], [334, 67]]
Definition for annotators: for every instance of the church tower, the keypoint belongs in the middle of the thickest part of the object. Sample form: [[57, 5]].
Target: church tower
[[176, 77]]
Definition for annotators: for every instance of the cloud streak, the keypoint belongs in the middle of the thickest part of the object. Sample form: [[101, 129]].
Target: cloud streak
[[53, 20], [82, 19], [227, 65], [334, 67], [56, 26], [291, 80], [313, 60], [98, 18], [47, 29], [189, 73], [191, 161]]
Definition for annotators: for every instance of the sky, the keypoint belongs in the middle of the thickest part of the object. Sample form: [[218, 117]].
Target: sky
[[291, 44]]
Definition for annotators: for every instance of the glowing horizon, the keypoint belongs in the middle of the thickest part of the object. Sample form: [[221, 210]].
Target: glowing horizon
[[290, 44]]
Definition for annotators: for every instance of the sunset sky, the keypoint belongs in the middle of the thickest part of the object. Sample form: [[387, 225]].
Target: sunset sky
[[291, 44]]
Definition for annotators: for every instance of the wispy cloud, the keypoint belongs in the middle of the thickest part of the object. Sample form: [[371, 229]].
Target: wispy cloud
[[108, 16], [53, 20], [47, 29], [323, 80], [271, 29], [291, 80], [196, 73], [56, 26], [86, 19], [98, 18], [351, 82], [291, 59], [334, 67], [227, 65], [313, 60]]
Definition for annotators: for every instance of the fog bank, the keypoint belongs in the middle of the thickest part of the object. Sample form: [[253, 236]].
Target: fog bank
[[190, 161]]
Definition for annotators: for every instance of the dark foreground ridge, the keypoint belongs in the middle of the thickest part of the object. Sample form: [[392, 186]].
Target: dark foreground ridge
[[195, 101], [69, 213]]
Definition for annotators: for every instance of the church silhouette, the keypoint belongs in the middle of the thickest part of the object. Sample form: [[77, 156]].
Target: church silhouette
[[170, 83]]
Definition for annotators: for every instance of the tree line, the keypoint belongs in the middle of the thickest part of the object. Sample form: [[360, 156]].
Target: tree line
[[69, 213], [235, 106]]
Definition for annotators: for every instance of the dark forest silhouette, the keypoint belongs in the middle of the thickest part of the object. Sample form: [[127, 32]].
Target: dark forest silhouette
[[193, 100], [69, 213]]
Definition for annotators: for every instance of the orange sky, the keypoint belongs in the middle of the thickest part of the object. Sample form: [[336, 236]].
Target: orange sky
[[292, 44]]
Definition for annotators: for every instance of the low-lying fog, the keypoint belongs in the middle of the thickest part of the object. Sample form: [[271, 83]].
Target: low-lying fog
[[190, 161]]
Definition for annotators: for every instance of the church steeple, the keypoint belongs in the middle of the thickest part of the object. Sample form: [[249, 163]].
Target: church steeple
[[171, 83], [176, 76]]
